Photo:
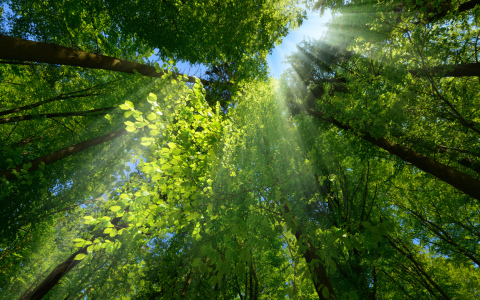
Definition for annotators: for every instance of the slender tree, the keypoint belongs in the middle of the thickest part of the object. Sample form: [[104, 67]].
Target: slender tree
[[55, 115], [53, 157], [24, 50]]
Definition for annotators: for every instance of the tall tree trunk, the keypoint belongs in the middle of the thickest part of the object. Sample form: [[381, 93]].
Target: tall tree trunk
[[68, 208], [251, 281], [319, 274], [256, 285], [442, 234], [246, 285], [455, 178], [395, 282], [63, 268], [462, 8], [24, 50], [320, 278], [55, 115], [30, 106], [463, 70], [468, 5], [187, 283], [58, 155], [419, 268]]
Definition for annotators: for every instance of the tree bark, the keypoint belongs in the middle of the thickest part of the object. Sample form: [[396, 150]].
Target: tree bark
[[462, 8], [54, 115], [30, 106], [441, 9], [24, 50], [251, 281], [62, 269], [468, 5], [58, 155], [187, 283], [319, 275], [463, 70], [54, 277], [455, 178], [419, 268], [442, 234]]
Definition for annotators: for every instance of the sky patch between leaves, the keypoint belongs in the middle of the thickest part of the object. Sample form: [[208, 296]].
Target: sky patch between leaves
[[313, 27]]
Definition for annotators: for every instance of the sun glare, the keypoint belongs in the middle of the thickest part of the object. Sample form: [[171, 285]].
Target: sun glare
[[312, 28]]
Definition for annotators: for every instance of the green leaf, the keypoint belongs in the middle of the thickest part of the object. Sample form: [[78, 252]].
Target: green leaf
[[80, 256], [151, 97], [152, 116], [196, 262], [146, 141], [129, 105], [115, 208], [325, 292]]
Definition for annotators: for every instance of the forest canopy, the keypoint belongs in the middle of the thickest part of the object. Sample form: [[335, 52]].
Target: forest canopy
[[354, 176]]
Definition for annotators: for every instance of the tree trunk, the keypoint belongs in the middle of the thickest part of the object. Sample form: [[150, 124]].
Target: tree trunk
[[58, 155], [54, 115], [320, 279], [455, 178], [419, 268], [443, 235], [468, 5], [30, 106], [251, 281], [187, 283], [463, 70], [54, 277], [319, 274], [395, 282], [462, 8], [62, 269], [24, 50]]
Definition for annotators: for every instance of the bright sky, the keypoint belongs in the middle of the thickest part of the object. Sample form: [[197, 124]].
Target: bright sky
[[313, 27]]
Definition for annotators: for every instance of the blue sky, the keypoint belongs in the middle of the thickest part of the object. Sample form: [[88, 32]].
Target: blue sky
[[313, 27]]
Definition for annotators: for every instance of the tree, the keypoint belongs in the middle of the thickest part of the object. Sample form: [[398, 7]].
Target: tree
[[198, 32], [24, 50], [397, 89], [348, 76], [272, 190], [91, 28], [40, 162], [251, 187]]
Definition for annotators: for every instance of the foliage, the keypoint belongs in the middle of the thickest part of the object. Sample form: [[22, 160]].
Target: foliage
[[208, 32], [250, 188]]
